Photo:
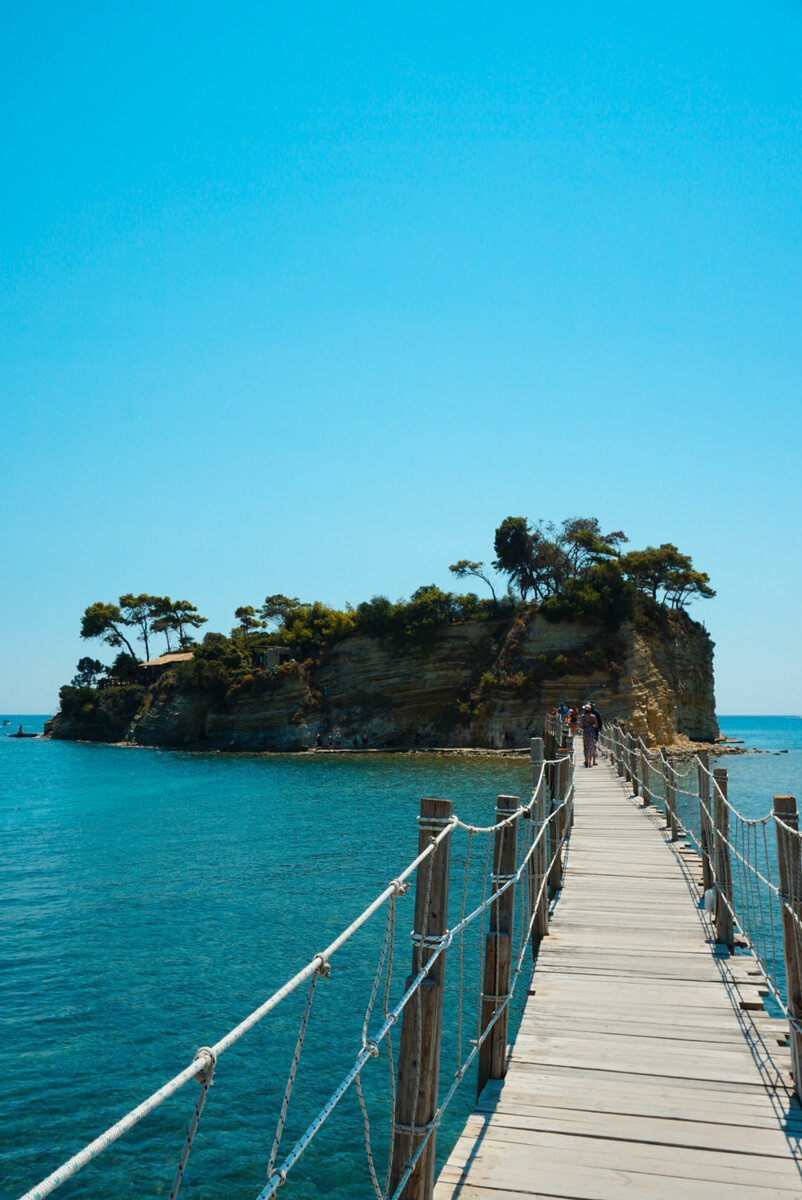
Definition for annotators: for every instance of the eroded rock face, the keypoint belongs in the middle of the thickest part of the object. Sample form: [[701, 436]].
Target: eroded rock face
[[475, 681]]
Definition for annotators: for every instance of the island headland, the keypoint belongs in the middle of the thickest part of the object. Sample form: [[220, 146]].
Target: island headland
[[439, 670]]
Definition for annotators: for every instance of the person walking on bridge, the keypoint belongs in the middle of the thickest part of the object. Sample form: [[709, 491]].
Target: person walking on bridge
[[590, 735]]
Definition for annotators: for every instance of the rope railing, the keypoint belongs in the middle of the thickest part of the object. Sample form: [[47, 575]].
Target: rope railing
[[751, 873], [519, 871]]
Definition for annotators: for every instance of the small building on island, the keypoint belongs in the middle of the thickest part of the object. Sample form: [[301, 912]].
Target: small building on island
[[270, 657], [157, 666]]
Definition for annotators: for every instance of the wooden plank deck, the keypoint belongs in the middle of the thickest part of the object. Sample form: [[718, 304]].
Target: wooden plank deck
[[636, 1072]]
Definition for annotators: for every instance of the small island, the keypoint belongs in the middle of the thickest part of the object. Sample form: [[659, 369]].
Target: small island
[[581, 618]]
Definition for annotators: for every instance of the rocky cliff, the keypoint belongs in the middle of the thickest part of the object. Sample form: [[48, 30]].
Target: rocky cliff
[[472, 682]]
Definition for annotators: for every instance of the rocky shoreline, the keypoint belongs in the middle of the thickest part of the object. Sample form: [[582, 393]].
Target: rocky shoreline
[[460, 692]]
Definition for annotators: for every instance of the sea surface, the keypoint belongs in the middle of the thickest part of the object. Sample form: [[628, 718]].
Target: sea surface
[[149, 900]]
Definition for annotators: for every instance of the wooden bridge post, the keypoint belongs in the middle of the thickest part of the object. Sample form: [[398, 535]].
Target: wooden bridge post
[[626, 754], [569, 775], [721, 860], [557, 826], [418, 1078], [498, 948], [644, 778], [633, 762], [548, 751], [788, 859], [619, 749], [705, 822], [666, 793], [671, 794], [539, 909]]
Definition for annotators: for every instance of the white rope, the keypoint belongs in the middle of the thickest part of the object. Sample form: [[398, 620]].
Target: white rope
[[323, 970], [206, 1082], [206, 1059]]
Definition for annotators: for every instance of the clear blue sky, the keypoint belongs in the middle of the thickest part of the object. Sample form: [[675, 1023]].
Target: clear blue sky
[[307, 298]]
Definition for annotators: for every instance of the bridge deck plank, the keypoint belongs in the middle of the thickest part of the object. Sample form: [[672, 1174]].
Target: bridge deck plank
[[635, 1071]]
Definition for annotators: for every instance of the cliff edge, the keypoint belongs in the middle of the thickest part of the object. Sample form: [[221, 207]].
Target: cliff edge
[[472, 681]]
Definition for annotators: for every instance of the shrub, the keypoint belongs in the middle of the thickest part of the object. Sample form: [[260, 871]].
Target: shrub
[[309, 627], [599, 595], [76, 699]]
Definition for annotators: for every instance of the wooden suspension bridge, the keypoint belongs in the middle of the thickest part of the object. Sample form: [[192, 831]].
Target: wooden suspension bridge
[[645, 1064], [659, 1053]]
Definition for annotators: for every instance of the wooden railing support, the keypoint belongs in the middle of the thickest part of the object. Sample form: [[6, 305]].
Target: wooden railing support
[[666, 793], [644, 777], [625, 755], [671, 795], [498, 948], [539, 909], [557, 826], [788, 859], [721, 861], [418, 1078], [705, 821], [619, 749], [633, 762]]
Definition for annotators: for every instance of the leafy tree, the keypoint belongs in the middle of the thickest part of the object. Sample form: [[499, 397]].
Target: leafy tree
[[104, 622], [139, 611], [687, 583], [177, 617], [88, 671], [276, 608], [186, 617], [665, 567], [125, 666], [551, 566], [376, 617], [309, 626], [465, 568], [599, 593], [249, 622], [428, 610], [584, 542], [515, 553]]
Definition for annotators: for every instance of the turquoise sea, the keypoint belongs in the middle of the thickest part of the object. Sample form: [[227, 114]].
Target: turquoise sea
[[150, 899]]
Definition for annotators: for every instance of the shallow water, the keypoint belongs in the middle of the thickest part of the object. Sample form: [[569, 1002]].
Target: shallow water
[[149, 900]]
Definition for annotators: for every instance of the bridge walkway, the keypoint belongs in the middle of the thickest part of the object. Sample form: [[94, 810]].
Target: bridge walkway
[[645, 1065]]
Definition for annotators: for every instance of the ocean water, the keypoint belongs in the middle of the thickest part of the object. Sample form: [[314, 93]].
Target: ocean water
[[151, 899]]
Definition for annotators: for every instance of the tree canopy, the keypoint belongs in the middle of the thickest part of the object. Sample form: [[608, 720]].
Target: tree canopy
[[664, 567], [143, 615]]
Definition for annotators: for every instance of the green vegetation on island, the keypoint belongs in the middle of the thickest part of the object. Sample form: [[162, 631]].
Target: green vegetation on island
[[571, 572]]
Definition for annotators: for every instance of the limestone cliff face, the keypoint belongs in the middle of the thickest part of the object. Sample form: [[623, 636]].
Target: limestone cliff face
[[473, 682]]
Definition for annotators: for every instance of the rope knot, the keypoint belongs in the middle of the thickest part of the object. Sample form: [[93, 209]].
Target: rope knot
[[323, 970], [399, 888], [372, 1048], [204, 1072]]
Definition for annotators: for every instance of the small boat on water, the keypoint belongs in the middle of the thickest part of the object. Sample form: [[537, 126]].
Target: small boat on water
[[20, 734], [6, 722]]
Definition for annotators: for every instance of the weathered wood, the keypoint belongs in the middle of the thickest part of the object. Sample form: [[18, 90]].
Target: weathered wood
[[418, 1076], [633, 762], [498, 947], [644, 776], [631, 1074], [619, 749], [666, 796], [557, 826], [539, 907], [721, 861], [705, 823], [788, 859]]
